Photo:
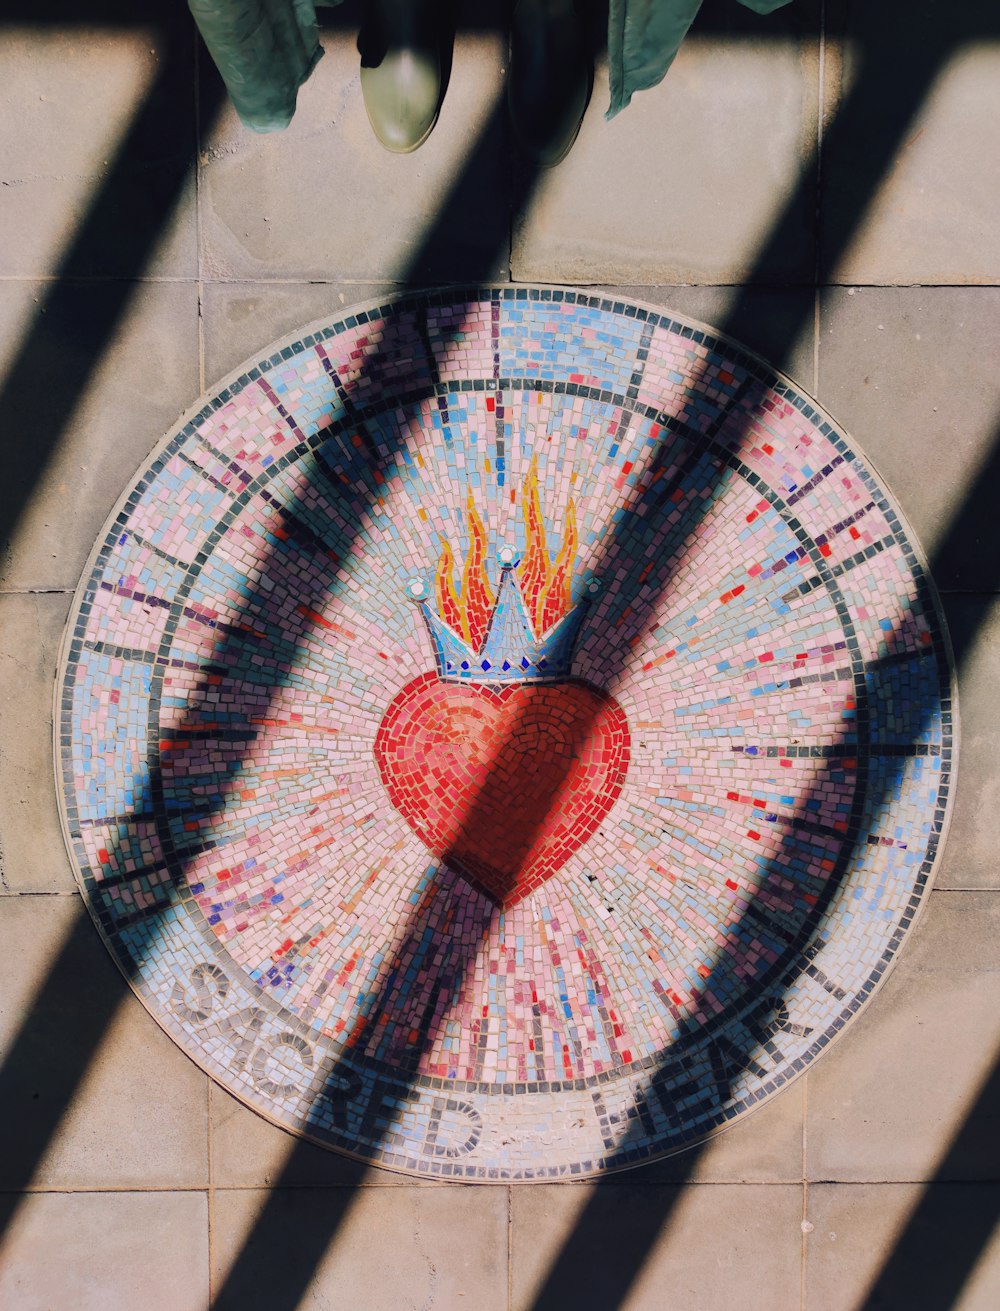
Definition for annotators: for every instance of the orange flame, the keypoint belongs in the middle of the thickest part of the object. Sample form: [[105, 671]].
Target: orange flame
[[535, 565], [545, 585], [468, 613], [448, 604], [477, 596], [557, 598]]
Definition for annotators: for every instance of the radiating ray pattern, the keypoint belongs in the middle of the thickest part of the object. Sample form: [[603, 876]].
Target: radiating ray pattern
[[754, 607]]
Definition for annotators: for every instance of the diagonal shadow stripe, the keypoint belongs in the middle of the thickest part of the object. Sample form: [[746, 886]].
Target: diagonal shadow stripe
[[932, 1260], [117, 234], [285, 1292], [51, 1023], [125, 220], [579, 1272], [328, 1236]]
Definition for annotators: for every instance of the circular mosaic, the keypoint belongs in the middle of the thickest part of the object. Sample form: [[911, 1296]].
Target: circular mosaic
[[505, 734]]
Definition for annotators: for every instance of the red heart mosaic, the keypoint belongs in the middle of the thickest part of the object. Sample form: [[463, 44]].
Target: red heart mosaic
[[503, 782]]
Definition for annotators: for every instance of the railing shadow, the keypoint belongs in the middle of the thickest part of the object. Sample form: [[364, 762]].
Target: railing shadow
[[125, 219], [250, 1274], [244, 1283], [51, 1026]]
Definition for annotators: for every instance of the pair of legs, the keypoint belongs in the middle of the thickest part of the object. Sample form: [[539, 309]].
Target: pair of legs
[[548, 83]]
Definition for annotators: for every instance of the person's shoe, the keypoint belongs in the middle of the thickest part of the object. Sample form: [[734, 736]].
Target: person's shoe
[[549, 83], [400, 71]]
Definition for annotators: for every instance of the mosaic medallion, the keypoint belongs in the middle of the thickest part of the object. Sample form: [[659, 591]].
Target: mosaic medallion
[[505, 734]]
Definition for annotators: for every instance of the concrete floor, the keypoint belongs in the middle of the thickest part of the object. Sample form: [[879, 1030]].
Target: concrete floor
[[824, 185]]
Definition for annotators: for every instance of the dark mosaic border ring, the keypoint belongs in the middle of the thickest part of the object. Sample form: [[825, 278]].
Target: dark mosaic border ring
[[122, 828]]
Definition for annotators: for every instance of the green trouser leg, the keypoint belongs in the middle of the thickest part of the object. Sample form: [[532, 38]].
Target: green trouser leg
[[264, 50], [645, 35]]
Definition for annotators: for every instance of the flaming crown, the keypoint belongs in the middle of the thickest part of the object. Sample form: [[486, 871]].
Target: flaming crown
[[526, 629]]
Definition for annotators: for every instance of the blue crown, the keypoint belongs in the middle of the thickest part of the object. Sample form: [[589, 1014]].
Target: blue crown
[[511, 652]]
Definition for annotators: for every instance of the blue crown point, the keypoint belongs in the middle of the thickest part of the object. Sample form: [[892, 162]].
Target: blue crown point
[[511, 652]]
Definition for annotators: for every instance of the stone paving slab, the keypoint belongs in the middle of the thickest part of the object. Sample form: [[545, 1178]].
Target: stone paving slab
[[651, 197], [277, 206], [919, 101], [380, 1249], [107, 1252], [700, 1248], [102, 423], [73, 133], [911, 375], [32, 852], [100, 1096], [887, 1100], [903, 1246]]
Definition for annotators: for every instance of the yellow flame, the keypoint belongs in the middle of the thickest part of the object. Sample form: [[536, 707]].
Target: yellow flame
[[545, 585], [467, 613], [535, 564], [448, 605], [477, 596], [557, 598]]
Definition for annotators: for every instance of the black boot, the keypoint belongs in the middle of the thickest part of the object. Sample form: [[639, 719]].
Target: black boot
[[550, 74], [400, 71]]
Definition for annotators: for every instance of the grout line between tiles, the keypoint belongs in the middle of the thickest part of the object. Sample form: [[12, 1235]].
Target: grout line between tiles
[[817, 321], [376, 279], [211, 1195], [510, 1248], [821, 109], [70, 1190], [38, 892], [936, 891], [805, 1195], [197, 218]]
